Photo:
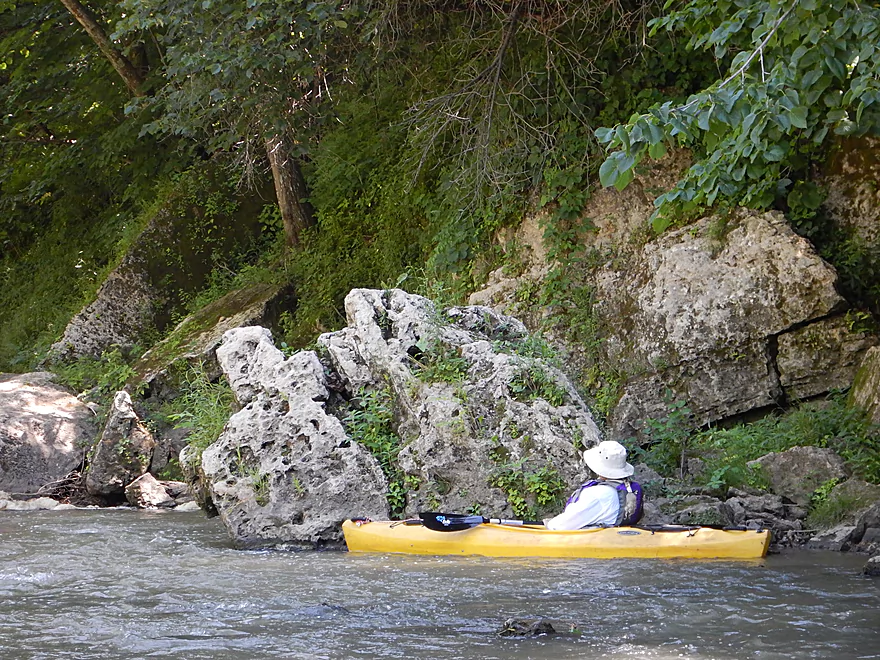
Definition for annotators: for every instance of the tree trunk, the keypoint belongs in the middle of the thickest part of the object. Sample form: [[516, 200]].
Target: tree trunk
[[290, 188], [133, 80]]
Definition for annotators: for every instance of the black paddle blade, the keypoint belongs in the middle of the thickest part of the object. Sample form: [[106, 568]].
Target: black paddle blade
[[450, 522]]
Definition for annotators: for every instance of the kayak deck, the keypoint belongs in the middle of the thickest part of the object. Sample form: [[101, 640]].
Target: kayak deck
[[492, 540]]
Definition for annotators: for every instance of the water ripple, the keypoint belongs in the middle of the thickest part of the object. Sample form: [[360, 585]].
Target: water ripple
[[99, 585]]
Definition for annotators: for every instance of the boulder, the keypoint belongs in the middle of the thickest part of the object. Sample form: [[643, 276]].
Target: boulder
[[745, 508], [867, 528], [698, 311], [872, 567], [797, 472], [820, 357], [44, 431], [652, 514], [122, 453], [446, 410], [146, 492], [35, 504], [650, 480], [705, 513], [837, 539], [284, 471], [692, 510], [766, 511], [514, 627]]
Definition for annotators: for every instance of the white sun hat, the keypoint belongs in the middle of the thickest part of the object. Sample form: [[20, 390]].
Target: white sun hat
[[608, 459]]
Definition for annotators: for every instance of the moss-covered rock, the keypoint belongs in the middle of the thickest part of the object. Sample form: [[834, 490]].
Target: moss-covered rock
[[195, 339], [865, 392]]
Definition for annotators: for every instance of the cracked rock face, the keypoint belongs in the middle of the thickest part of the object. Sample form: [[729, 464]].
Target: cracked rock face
[[719, 317]]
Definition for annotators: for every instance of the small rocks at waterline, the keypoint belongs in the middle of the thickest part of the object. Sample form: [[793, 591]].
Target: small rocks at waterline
[[9, 503]]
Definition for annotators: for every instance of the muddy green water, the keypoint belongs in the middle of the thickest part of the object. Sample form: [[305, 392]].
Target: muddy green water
[[126, 584]]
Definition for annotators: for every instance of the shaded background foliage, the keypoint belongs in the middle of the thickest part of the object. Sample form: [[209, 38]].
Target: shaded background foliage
[[420, 128]]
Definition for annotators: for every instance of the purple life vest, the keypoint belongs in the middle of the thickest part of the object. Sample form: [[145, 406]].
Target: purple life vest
[[629, 496]]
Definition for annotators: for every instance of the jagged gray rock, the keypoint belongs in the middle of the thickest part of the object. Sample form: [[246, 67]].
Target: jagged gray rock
[[867, 529], [479, 424], [470, 443], [837, 538], [284, 471], [122, 453], [44, 431]]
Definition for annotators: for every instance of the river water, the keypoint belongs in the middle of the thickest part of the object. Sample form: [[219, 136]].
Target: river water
[[116, 584]]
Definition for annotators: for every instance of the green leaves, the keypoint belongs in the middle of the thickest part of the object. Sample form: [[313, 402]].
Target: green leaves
[[798, 73], [617, 170], [238, 71]]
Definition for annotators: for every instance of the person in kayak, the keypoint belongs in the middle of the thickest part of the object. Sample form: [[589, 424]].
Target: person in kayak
[[610, 499]]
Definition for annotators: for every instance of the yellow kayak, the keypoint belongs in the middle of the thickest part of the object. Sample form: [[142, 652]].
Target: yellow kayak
[[493, 540]]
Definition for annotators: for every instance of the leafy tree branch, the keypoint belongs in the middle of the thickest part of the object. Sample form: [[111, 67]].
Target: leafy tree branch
[[799, 72]]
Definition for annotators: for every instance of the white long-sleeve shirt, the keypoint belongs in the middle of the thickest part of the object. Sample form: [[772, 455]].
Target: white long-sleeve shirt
[[596, 505]]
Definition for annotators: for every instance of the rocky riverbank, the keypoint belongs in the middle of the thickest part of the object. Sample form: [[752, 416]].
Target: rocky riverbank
[[408, 408]]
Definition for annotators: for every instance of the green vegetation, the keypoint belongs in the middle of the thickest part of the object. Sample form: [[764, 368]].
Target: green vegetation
[[795, 73], [533, 346], [533, 382], [401, 163], [410, 158], [202, 406], [828, 509], [100, 377], [370, 422], [857, 262], [726, 452], [438, 362], [398, 191], [530, 492]]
